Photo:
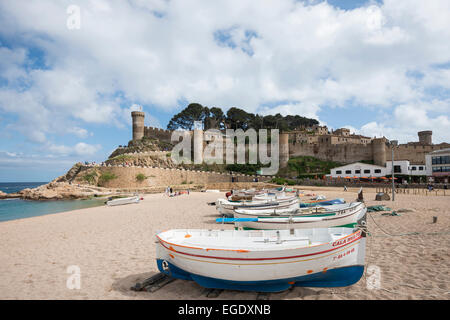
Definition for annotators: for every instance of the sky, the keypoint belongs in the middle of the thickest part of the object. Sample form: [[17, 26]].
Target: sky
[[71, 71]]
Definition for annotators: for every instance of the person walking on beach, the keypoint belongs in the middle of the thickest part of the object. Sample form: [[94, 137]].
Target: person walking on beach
[[345, 188]]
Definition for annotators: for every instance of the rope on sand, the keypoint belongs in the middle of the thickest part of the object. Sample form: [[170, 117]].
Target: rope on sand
[[415, 233], [369, 245]]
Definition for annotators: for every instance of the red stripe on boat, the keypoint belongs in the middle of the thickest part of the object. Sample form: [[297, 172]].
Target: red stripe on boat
[[255, 259]]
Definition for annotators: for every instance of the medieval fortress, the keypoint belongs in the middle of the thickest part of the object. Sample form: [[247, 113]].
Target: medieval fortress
[[317, 141]]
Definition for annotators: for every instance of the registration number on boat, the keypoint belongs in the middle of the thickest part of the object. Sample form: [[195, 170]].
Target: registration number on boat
[[346, 253]]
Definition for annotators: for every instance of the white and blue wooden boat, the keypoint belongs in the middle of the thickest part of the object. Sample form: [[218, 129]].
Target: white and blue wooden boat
[[227, 208], [263, 260], [347, 215]]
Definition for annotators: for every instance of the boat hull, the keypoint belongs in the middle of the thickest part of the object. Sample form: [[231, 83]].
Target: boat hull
[[227, 209], [123, 201], [335, 264], [338, 277], [331, 220]]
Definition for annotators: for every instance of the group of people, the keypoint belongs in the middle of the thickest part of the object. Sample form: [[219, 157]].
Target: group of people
[[95, 164], [169, 191]]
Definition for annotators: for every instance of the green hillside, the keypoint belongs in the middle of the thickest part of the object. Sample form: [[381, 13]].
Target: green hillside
[[306, 166]]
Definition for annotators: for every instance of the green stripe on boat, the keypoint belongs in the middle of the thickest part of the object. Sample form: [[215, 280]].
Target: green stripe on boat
[[350, 225], [299, 216]]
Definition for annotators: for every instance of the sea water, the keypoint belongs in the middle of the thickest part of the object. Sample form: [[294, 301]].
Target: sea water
[[11, 209]]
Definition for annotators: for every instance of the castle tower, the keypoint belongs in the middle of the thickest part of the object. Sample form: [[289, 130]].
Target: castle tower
[[379, 151], [284, 149], [425, 137], [138, 124]]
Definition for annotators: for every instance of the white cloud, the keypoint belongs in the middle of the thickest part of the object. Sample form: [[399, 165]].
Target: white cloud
[[162, 52], [407, 120], [79, 132], [80, 149]]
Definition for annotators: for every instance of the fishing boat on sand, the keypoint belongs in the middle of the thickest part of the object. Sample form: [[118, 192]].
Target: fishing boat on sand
[[226, 207], [122, 201], [347, 215], [263, 260]]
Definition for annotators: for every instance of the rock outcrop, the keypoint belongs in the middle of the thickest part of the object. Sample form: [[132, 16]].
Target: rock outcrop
[[62, 190]]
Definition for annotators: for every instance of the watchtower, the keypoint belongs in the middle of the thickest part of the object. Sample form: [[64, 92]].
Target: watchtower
[[425, 137], [379, 151], [138, 124]]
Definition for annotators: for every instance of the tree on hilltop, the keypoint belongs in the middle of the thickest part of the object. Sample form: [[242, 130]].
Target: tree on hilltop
[[186, 118], [239, 119], [235, 118], [215, 119]]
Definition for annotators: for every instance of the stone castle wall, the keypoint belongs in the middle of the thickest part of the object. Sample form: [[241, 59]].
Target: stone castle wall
[[350, 153], [347, 153], [415, 153], [126, 176], [157, 133], [344, 153]]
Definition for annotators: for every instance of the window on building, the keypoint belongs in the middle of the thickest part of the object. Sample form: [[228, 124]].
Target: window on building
[[440, 160], [397, 169], [348, 171], [357, 171], [338, 172], [367, 171], [377, 170], [413, 168], [420, 168]]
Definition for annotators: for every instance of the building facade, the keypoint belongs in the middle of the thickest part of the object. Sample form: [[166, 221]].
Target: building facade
[[358, 170], [438, 165], [364, 170]]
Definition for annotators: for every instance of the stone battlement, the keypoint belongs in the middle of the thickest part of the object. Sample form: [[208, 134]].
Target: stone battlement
[[157, 133]]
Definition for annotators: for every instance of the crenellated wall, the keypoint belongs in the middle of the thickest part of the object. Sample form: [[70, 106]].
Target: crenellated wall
[[157, 133]]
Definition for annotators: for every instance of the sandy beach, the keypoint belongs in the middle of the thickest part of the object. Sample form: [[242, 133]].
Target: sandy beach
[[114, 248]]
